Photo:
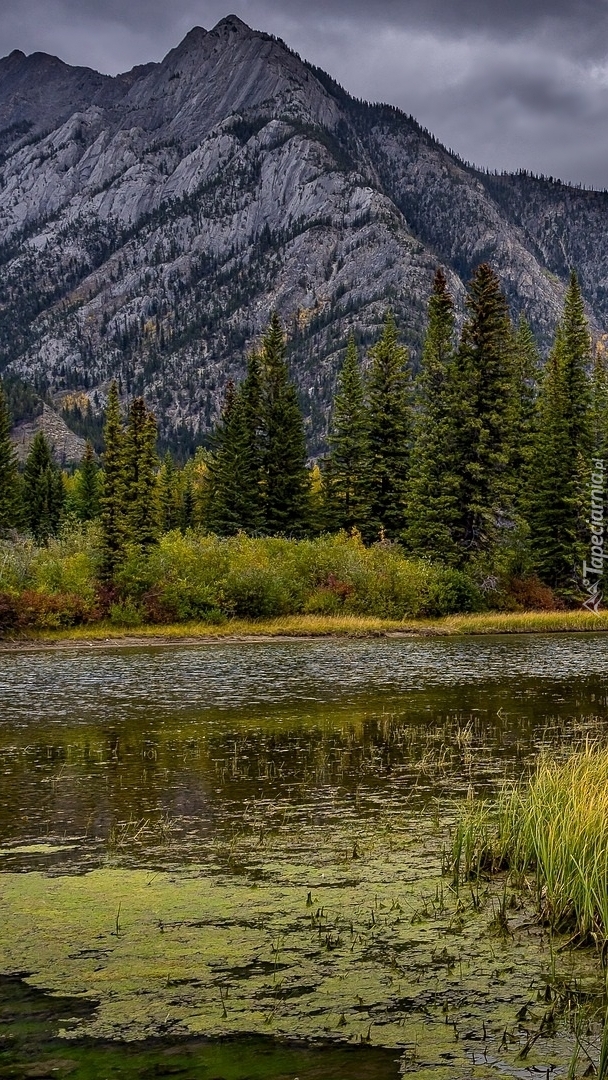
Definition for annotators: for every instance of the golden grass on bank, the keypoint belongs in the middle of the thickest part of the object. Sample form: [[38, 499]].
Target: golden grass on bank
[[556, 828], [331, 625]]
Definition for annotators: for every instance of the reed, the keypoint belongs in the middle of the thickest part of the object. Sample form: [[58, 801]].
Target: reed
[[554, 829]]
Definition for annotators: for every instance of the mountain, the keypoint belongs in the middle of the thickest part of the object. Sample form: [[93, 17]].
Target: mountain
[[150, 222]]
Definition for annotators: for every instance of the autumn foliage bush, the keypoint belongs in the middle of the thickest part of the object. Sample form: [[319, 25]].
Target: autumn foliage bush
[[196, 576]]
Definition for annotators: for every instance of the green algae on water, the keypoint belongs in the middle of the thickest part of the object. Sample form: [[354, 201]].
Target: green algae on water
[[325, 940]]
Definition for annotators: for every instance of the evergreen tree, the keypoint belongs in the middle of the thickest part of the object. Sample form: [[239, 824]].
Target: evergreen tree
[[10, 492], [433, 505], [599, 402], [389, 433], [484, 414], [558, 510], [43, 490], [141, 510], [525, 385], [113, 532], [87, 486], [186, 520], [235, 502], [346, 469], [285, 476], [253, 399], [169, 495], [577, 364]]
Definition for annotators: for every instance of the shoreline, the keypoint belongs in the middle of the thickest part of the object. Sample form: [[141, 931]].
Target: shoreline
[[307, 628]]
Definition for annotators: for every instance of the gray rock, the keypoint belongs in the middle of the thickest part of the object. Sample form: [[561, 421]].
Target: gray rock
[[67, 447], [151, 222]]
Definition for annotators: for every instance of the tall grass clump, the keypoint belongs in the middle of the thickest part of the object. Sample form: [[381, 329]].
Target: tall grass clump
[[554, 827]]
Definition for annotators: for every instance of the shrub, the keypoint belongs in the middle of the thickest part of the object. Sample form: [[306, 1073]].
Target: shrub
[[51, 611], [530, 594], [8, 612], [452, 592], [256, 592], [388, 585], [125, 613]]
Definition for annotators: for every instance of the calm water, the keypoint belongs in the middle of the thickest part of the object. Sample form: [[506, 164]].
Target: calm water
[[91, 739], [151, 753]]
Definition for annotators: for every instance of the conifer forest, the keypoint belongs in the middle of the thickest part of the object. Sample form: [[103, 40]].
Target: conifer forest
[[471, 473]]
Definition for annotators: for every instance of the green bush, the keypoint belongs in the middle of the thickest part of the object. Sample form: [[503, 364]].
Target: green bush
[[452, 592], [256, 592], [389, 585], [197, 576], [125, 613]]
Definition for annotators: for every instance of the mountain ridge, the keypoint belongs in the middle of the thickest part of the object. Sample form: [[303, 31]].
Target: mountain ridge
[[148, 233]]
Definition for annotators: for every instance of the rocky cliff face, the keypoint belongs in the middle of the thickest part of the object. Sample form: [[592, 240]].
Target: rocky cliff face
[[67, 447], [150, 222]]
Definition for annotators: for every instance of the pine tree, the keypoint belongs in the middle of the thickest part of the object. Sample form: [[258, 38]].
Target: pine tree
[[169, 495], [113, 531], [525, 386], [346, 469], [186, 519], [235, 502], [87, 486], [141, 510], [253, 398], [43, 490], [285, 476], [599, 402], [10, 492], [577, 364], [558, 509], [389, 433], [484, 413], [553, 496], [433, 504]]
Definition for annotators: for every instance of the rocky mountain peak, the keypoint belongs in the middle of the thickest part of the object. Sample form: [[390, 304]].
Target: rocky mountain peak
[[150, 222], [232, 24]]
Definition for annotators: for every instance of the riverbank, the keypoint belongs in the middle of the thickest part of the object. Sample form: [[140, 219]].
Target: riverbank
[[312, 626]]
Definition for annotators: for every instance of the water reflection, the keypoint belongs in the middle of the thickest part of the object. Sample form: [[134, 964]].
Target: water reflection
[[185, 741]]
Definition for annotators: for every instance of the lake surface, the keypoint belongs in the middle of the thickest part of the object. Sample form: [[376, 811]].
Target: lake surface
[[281, 772]]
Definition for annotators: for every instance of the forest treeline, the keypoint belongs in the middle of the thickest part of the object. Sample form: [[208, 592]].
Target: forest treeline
[[476, 470]]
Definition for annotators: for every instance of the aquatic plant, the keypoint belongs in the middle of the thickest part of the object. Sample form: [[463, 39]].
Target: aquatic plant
[[555, 828]]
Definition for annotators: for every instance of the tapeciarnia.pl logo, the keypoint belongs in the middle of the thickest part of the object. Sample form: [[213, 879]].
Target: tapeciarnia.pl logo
[[593, 571]]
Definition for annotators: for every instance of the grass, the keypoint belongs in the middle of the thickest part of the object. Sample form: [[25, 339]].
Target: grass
[[554, 828], [332, 626]]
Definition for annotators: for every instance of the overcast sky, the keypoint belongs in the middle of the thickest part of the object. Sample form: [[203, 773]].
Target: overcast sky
[[506, 83]]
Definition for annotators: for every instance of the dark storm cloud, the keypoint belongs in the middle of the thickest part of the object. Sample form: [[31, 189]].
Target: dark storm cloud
[[506, 83]]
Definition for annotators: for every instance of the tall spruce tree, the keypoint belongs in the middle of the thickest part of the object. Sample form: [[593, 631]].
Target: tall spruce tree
[[558, 509], [346, 469], [484, 412], [389, 433], [112, 498], [599, 402], [433, 502], [577, 365], [526, 373], [87, 486], [169, 495], [10, 490], [253, 400], [141, 509], [43, 490], [235, 500], [285, 475]]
